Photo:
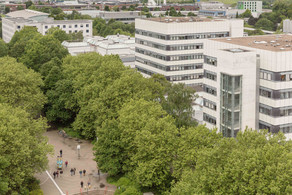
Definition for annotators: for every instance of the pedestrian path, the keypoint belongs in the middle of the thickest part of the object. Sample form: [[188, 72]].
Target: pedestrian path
[[67, 183]]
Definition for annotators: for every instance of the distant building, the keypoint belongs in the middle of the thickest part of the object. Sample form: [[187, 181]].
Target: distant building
[[15, 21], [253, 6], [122, 16], [12, 7], [121, 45], [210, 5], [287, 26], [213, 13]]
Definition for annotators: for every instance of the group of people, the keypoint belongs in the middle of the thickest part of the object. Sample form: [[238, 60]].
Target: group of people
[[88, 184]]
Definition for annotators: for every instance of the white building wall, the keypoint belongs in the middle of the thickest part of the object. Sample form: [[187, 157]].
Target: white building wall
[[287, 26]]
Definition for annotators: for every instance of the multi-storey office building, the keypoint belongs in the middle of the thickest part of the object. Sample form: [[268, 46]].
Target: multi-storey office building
[[253, 6], [248, 83], [15, 21], [174, 47]]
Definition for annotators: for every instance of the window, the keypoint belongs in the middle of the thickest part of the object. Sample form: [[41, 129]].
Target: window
[[265, 93], [265, 75], [46, 27], [76, 31], [81, 25], [87, 31], [58, 26], [70, 31], [64, 26], [76, 25], [87, 25], [18, 27], [210, 60], [210, 75], [208, 118], [265, 110], [210, 90], [210, 104]]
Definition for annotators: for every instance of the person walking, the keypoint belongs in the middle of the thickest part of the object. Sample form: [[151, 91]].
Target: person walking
[[54, 174], [66, 163], [74, 170], [80, 172], [61, 152], [84, 171], [57, 173], [81, 184], [88, 184]]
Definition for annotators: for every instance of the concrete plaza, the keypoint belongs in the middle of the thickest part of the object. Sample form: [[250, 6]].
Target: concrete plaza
[[67, 183]]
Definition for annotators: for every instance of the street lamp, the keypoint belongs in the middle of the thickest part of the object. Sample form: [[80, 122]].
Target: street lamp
[[78, 150]]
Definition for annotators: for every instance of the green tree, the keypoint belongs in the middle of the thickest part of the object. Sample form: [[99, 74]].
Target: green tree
[[7, 10], [23, 149], [28, 4], [20, 7], [190, 142], [20, 40], [179, 104], [59, 34], [246, 14], [106, 8], [252, 21], [20, 86], [3, 48], [252, 163], [41, 50], [265, 24]]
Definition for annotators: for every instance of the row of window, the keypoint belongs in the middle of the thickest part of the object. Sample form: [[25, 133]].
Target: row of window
[[182, 37], [209, 104], [276, 112], [210, 60], [287, 128], [275, 94], [69, 26], [210, 75], [184, 77], [170, 47], [273, 76], [70, 31], [208, 118], [210, 90], [170, 68], [170, 58]]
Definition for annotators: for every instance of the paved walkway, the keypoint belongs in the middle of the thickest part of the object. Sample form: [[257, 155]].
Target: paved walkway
[[71, 184]]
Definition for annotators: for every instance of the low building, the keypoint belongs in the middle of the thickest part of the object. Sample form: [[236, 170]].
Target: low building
[[213, 13], [15, 21], [122, 16], [287, 26], [121, 45], [12, 7], [210, 5]]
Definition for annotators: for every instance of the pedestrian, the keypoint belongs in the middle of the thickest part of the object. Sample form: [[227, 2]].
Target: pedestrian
[[71, 171], [54, 174], [74, 170], [80, 172], [57, 173], [61, 152], [88, 184], [61, 172], [81, 183], [84, 171], [66, 163]]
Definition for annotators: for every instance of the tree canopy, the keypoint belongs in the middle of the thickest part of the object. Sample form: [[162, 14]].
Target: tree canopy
[[23, 149], [20, 86]]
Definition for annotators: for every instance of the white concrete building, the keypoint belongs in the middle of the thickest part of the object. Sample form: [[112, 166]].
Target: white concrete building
[[253, 6], [287, 26], [15, 21], [126, 17], [248, 83], [121, 45], [174, 47]]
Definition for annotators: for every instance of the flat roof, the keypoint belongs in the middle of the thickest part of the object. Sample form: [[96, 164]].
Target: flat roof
[[277, 43], [27, 13], [182, 19]]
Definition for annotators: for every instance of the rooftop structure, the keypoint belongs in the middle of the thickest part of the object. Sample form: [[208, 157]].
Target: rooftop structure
[[121, 45], [277, 43], [182, 19], [123, 16], [26, 14], [287, 26]]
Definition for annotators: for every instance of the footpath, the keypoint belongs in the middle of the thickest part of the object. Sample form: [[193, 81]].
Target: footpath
[[71, 184]]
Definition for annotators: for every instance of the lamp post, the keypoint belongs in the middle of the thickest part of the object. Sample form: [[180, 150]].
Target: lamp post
[[78, 151]]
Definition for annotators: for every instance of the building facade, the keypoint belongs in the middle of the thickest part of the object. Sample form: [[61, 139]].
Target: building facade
[[287, 26], [248, 83], [15, 21], [253, 6], [174, 47]]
